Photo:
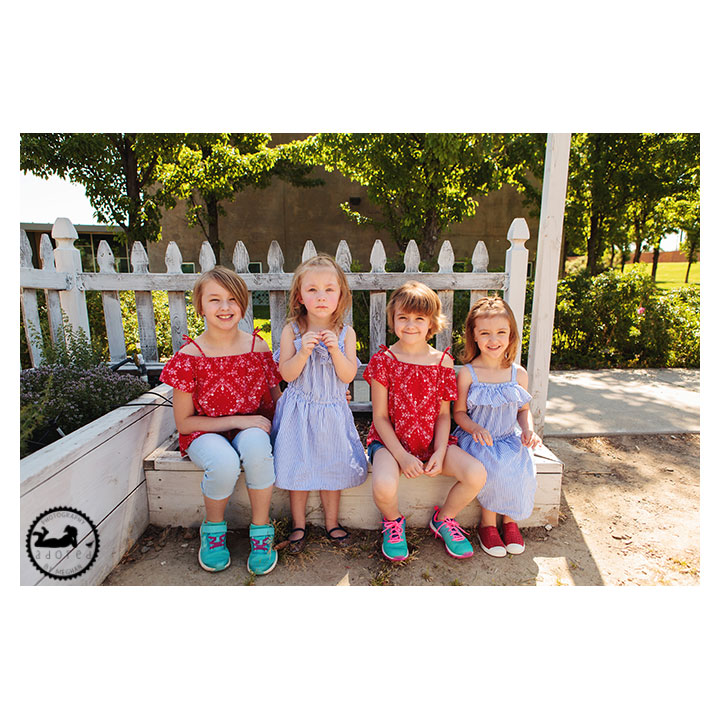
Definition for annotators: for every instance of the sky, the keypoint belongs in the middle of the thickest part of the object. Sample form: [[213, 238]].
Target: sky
[[43, 201]]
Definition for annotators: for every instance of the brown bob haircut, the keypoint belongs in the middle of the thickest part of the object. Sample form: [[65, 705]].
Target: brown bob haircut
[[230, 280], [489, 307], [415, 297], [297, 312]]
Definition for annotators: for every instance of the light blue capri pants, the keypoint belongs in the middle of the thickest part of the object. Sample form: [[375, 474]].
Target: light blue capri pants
[[221, 460]]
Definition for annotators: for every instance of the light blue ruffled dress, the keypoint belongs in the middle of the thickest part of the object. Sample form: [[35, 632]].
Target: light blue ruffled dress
[[511, 482], [315, 443]]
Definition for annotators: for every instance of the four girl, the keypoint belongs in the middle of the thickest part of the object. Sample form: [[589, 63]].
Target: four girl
[[227, 384]]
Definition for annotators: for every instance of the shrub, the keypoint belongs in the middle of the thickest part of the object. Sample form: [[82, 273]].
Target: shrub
[[69, 391]]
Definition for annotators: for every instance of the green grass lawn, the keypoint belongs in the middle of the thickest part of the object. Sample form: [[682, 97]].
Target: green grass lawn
[[672, 275]]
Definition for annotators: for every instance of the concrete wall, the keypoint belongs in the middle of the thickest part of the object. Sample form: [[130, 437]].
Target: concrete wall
[[293, 215]]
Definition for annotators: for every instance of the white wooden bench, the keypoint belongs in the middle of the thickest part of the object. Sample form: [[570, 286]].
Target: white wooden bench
[[174, 497]]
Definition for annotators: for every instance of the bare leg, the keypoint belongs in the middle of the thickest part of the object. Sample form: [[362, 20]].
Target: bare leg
[[260, 505], [331, 506], [215, 509], [385, 483], [487, 518], [470, 474], [298, 508]]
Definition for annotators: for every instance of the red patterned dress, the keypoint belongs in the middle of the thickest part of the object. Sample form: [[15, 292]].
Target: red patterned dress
[[414, 396], [222, 386]]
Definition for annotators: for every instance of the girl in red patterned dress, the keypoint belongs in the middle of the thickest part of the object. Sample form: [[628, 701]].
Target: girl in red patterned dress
[[225, 386], [412, 386]]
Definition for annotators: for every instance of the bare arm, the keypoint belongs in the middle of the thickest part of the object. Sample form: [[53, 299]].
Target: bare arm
[[460, 414], [292, 363], [524, 416], [188, 422]]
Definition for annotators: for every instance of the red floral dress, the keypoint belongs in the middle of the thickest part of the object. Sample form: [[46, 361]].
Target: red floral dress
[[414, 396], [222, 386]]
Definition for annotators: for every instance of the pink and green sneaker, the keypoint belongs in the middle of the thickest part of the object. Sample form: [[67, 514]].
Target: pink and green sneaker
[[394, 544], [452, 534], [213, 555], [263, 557]]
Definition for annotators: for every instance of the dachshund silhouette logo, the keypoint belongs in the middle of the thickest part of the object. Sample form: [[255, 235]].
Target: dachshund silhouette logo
[[62, 543]]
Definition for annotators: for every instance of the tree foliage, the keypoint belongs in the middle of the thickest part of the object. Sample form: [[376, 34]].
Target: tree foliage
[[117, 170], [420, 182]]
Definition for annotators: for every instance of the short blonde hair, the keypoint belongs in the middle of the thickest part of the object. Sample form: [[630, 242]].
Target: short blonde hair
[[297, 312], [488, 307], [230, 280], [415, 297]]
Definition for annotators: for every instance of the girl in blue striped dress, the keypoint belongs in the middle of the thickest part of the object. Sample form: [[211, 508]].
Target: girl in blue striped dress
[[495, 424], [316, 444]]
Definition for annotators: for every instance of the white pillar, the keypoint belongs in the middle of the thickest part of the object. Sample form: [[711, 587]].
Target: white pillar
[[516, 260], [552, 212], [67, 259]]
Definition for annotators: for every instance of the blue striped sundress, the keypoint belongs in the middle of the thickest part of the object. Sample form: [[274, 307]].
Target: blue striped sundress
[[316, 445], [511, 481]]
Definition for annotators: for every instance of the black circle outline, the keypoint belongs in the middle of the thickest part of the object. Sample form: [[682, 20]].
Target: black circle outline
[[48, 512]]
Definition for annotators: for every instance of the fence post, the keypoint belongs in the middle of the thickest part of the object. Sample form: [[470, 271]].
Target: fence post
[[552, 211], [446, 261], [111, 306], [67, 259], [516, 260]]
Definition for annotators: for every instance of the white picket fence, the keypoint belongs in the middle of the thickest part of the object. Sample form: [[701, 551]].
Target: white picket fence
[[65, 284]]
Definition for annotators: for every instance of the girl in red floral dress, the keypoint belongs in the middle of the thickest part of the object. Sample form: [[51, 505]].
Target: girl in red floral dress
[[412, 386], [225, 386]]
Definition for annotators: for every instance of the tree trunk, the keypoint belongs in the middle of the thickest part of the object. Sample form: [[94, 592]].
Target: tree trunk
[[592, 244], [211, 204], [687, 273], [429, 241], [132, 187], [656, 257], [638, 242]]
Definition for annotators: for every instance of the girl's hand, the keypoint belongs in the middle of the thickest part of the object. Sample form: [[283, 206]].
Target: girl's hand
[[481, 435], [309, 341], [258, 421], [434, 465], [530, 439], [410, 466], [330, 339]]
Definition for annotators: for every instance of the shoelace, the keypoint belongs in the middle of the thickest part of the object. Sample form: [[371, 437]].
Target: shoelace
[[455, 530], [257, 545], [394, 528], [216, 541]]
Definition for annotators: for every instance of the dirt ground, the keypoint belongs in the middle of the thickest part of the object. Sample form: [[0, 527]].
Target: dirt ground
[[629, 515]]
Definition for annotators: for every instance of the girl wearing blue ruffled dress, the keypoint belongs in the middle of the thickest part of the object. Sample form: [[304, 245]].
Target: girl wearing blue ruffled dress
[[495, 424], [316, 444]]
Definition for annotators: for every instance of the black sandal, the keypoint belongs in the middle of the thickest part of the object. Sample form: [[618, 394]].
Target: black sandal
[[340, 540], [296, 546]]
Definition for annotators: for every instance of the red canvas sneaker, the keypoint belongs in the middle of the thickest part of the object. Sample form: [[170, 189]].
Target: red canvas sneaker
[[513, 539], [491, 542]]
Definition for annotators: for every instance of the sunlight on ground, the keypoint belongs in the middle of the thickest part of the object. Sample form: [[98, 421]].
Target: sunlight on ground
[[553, 571]]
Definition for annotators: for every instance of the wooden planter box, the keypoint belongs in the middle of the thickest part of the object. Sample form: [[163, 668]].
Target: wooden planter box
[[97, 470], [174, 497]]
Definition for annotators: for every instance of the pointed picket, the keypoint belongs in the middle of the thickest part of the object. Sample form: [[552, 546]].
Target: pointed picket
[[144, 306], [308, 250], [207, 257], [343, 257], [28, 300], [177, 305], [446, 260], [277, 297], [412, 258], [111, 305], [241, 263], [480, 261], [52, 298], [378, 258]]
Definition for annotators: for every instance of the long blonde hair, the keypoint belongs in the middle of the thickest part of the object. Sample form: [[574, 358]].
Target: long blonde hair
[[487, 307], [296, 310]]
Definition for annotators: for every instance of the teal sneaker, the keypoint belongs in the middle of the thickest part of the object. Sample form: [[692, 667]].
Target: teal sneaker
[[394, 545], [448, 529], [213, 555], [263, 557]]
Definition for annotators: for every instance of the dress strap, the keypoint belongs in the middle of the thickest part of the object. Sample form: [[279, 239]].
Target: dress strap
[[514, 373], [385, 348], [189, 340], [445, 352], [255, 336], [296, 329], [472, 373]]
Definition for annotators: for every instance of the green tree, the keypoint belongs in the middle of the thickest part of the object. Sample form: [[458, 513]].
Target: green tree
[[206, 169], [421, 182], [117, 170]]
